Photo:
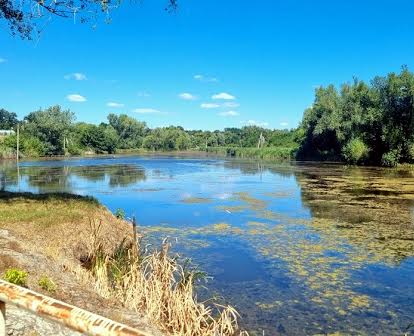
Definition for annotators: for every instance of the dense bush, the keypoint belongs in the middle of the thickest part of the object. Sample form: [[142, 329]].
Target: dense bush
[[355, 151], [391, 158], [346, 123]]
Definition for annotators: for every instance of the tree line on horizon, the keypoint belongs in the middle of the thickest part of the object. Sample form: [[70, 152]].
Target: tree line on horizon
[[53, 131], [359, 123]]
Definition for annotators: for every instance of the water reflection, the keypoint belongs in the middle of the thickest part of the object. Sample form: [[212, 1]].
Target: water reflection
[[63, 178], [298, 249]]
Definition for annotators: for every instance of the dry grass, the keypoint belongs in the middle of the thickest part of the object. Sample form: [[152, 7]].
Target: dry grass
[[156, 285]]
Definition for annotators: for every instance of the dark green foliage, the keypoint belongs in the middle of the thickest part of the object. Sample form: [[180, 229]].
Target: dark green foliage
[[8, 120], [131, 132], [53, 132], [51, 126], [101, 139], [361, 123]]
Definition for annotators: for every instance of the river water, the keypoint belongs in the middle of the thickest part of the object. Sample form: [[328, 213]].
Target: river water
[[298, 249]]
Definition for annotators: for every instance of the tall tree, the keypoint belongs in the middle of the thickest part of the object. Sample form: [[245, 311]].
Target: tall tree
[[52, 126], [130, 131], [8, 119]]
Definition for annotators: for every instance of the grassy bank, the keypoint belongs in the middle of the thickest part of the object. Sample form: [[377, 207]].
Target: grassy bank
[[269, 153], [89, 258]]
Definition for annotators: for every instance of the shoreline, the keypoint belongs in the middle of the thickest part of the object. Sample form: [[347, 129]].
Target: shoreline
[[89, 257]]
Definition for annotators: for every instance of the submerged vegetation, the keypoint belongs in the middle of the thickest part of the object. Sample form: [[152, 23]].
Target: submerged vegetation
[[330, 256]]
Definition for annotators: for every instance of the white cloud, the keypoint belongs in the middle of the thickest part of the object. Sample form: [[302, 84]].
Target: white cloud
[[224, 96], [3, 60], [187, 96], [76, 98], [229, 114], [231, 104], [146, 111], [115, 105], [256, 123], [76, 76], [203, 78], [284, 124], [209, 105]]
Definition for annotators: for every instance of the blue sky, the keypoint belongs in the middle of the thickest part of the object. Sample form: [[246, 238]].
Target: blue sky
[[213, 64]]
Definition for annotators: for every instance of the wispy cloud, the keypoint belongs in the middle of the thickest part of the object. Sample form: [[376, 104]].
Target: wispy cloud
[[3, 60], [223, 96], [284, 124], [229, 114], [231, 104], [76, 76], [203, 78], [143, 94], [209, 105], [256, 123], [146, 111], [76, 98], [115, 105], [187, 96], [216, 105]]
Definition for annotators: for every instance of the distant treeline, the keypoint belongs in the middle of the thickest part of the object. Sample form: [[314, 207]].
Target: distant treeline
[[53, 131], [359, 123]]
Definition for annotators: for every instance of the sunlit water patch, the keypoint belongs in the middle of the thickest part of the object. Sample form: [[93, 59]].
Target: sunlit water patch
[[298, 249]]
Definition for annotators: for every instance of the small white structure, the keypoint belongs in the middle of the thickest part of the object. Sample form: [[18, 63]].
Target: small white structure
[[6, 132]]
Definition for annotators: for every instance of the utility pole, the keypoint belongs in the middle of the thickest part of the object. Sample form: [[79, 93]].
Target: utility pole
[[18, 142]]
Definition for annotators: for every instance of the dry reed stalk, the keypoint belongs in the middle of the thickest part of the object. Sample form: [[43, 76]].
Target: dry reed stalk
[[157, 286]]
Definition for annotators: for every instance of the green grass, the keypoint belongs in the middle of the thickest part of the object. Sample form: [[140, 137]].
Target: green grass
[[43, 210], [268, 153]]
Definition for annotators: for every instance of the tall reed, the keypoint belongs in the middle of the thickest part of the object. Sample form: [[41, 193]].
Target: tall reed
[[157, 285]]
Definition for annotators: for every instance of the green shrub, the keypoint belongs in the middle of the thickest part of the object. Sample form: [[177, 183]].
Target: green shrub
[[16, 276], [74, 149], [47, 284], [268, 153], [355, 151], [120, 213], [391, 158]]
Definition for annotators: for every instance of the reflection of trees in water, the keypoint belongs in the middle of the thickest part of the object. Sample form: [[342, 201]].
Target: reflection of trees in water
[[8, 175], [119, 175], [48, 179], [370, 208], [255, 168], [124, 175]]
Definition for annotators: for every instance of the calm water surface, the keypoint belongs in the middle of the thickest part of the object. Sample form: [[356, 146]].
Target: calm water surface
[[299, 249]]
